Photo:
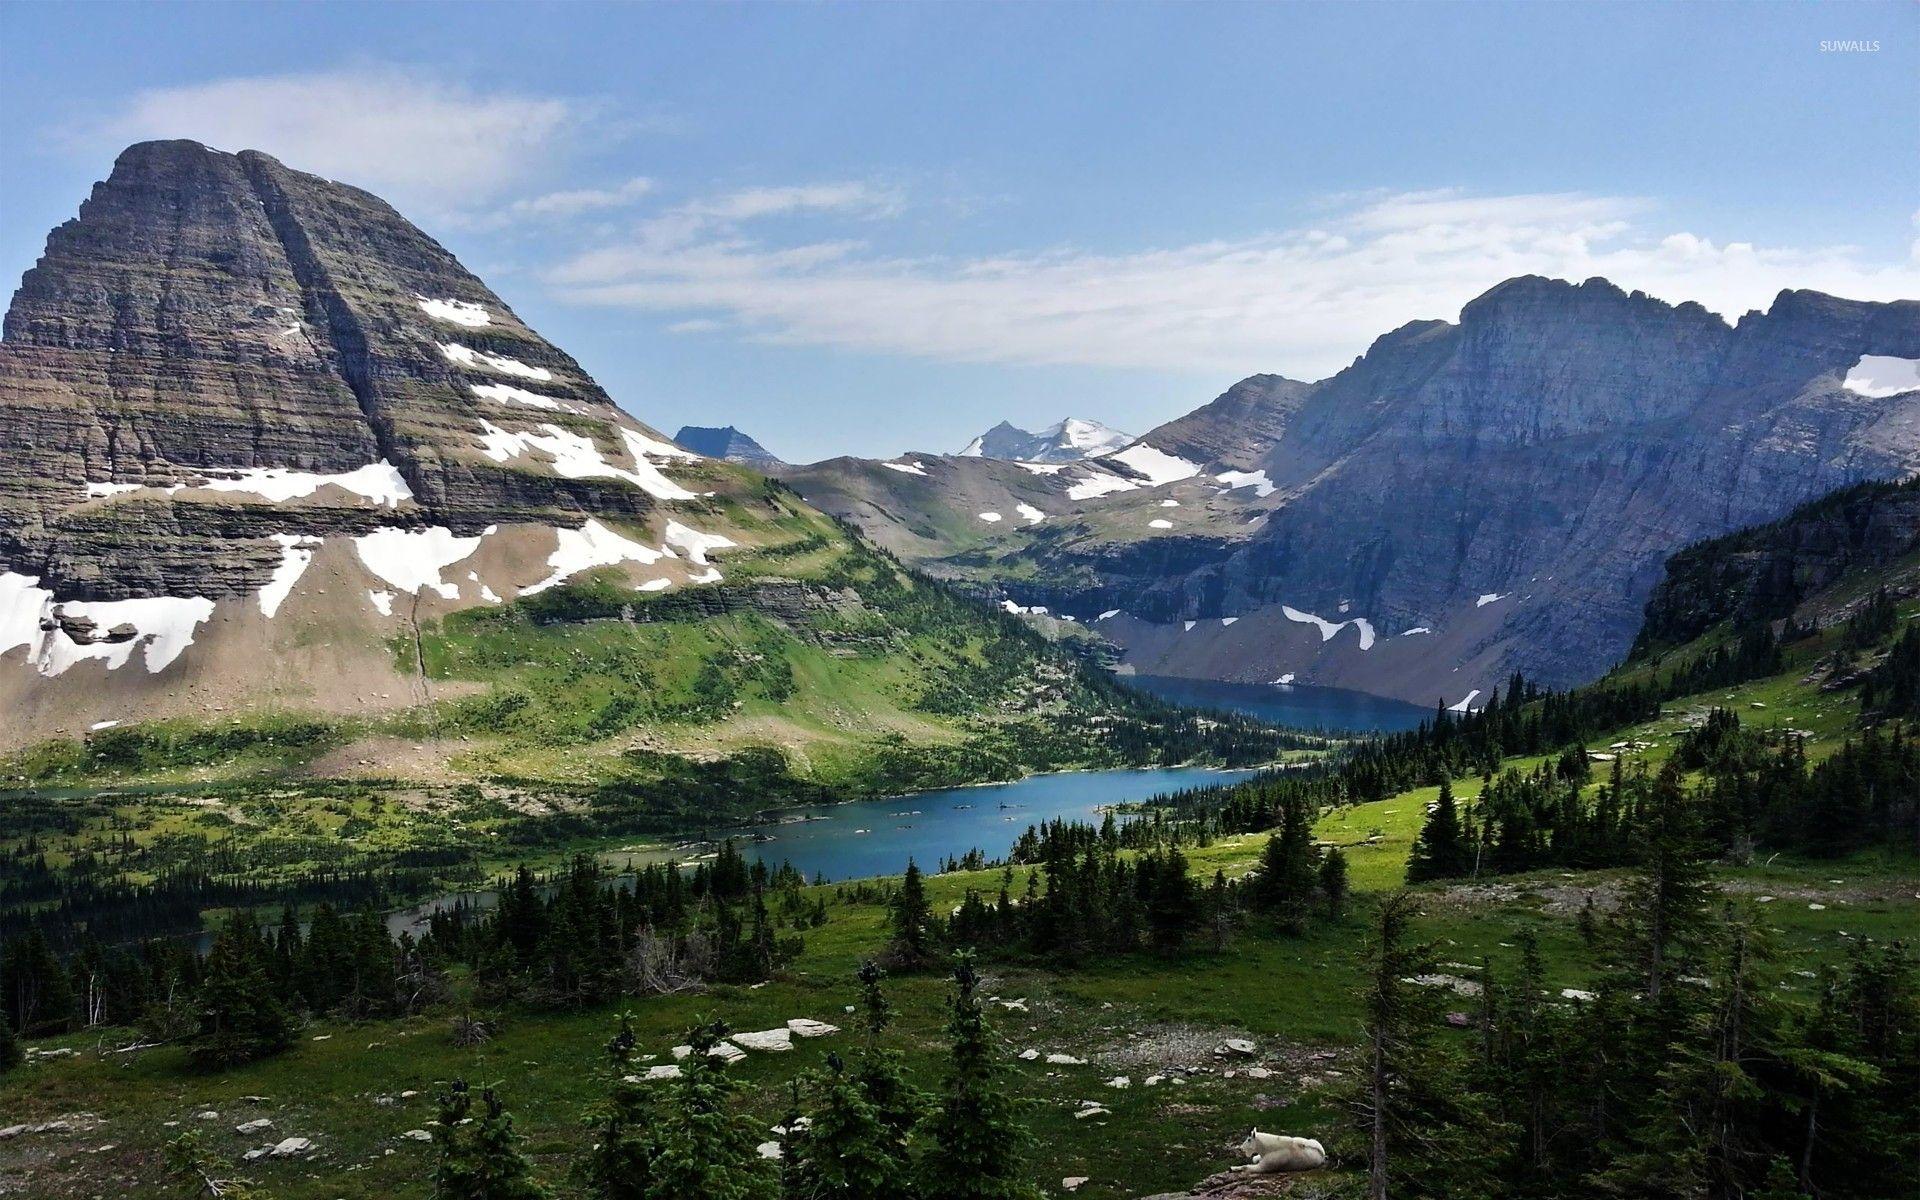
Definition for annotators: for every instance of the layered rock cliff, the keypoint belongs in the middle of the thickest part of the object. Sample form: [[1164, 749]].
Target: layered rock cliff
[[1467, 499]]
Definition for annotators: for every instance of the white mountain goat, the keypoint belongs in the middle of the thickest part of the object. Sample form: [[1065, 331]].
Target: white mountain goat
[[1272, 1153]]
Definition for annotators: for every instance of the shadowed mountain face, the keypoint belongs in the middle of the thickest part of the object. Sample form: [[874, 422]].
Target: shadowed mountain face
[[1464, 501], [725, 443]]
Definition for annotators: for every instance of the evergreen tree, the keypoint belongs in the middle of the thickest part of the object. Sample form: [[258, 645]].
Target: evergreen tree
[[704, 1143], [1172, 904], [240, 1018], [1289, 867], [977, 1140], [620, 1164], [479, 1158], [1333, 882], [912, 920], [847, 1152], [881, 1072], [1441, 851]]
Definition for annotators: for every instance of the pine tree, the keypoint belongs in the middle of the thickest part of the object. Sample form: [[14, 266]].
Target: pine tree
[[881, 1072], [848, 1152], [912, 919], [479, 1157], [1289, 867], [620, 1164], [1172, 905], [1441, 851], [1424, 1127], [1333, 882], [240, 1018], [977, 1140], [705, 1142]]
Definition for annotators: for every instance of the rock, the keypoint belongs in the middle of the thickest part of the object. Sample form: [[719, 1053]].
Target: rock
[[417, 1135], [1459, 1020], [1073, 1183], [1065, 1060], [1120, 1081], [768, 1150], [1239, 1046], [254, 1126], [1029, 1055], [805, 1028], [767, 1040], [288, 1147]]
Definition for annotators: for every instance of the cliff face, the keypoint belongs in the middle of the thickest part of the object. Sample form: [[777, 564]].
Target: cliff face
[[1765, 573], [258, 414], [212, 315], [1494, 495]]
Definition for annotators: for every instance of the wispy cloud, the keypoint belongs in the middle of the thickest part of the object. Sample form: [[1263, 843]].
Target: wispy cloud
[[1303, 301], [411, 136], [581, 200]]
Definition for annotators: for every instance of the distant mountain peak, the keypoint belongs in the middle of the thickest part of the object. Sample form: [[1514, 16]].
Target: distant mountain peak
[[725, 442], [1069, 440]]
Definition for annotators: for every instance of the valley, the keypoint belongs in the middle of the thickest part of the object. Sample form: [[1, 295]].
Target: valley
[[1495, 761]]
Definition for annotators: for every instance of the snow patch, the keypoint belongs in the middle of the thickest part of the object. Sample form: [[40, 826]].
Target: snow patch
[[1157, 465], [1487, 598], [467, 356], [1366, 632], [1099, 483], [1042, 468], [1285, 680], [592, 545], [1225, 621], [1159, 523], [990, 517], [506, 393], [1033, 515], [162, 625], [905, 468], [96, 490], [380, 482], [654, 585], [382, 602], [695, 543], [1112, 612], [1169, 504], [641, 446], [1414, 630], [1883, 375], [576, 457], [1257, 480], [456, 312], [1464, 702], [1187, 626], [97, 726], [412, 559], [296, 553], [1019, 610]]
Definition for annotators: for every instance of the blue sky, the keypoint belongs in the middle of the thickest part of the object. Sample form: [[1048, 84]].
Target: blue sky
[[864, 227]]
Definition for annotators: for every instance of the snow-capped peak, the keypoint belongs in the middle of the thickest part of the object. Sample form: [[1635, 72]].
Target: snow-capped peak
[[1069, 440]]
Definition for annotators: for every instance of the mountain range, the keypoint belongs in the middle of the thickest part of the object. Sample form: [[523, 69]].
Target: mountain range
[[1069, 440], [1466, 500], [281, 481]]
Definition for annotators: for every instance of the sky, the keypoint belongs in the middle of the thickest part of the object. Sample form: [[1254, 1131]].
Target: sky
[[866, 228]]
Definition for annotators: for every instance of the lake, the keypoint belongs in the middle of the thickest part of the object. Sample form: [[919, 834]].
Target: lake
[[1299, 705], [863, 838], [876, 837]]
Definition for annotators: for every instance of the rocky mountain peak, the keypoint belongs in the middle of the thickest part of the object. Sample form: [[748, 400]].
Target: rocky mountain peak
[[726, 443], [1069, 440]]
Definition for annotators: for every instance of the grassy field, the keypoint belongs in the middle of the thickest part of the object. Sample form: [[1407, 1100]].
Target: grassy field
[[1135, 1016]]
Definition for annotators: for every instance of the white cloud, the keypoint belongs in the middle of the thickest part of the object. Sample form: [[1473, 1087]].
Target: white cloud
[[581, 200], [750, 203], [411, 137], [1303, 301]]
